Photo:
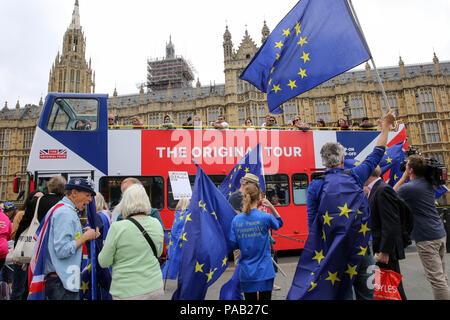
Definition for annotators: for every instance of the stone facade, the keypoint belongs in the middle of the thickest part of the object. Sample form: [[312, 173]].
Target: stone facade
[[420, 94]]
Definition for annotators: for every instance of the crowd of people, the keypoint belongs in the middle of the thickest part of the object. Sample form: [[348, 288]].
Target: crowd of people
[[270, 122], [133, 233]]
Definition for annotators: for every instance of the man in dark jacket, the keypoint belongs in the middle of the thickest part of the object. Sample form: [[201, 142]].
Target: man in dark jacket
[[385, 209]]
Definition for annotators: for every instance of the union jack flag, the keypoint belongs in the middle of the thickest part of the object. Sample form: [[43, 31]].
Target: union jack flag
[[53, 154]]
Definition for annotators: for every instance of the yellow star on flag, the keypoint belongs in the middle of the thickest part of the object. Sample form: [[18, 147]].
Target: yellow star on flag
[[351, 270], [364, 228], [198, 267], [286, 32], [214, 214], [319, 256], [388, 160], [210, 274], [297, 29], [333, 277], [305, 57], [292, 84], [247, 170], [224, 261], [278, 56], [302, 41], [202, 205], [327, 219], [84, 286], [313, 285], [302, 73], [344, 211], [276, 88], [279, 44], [324, 237], [363, 251], [183, 236]]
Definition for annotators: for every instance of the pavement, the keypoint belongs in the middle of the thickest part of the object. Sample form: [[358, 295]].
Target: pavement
[[415, 284]]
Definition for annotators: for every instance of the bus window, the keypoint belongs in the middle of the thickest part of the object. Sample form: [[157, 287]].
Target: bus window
[[217, 179], [277, 189], [73, 114], [299, 188], [109, 187]]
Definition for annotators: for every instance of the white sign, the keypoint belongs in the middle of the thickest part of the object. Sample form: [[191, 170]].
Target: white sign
[[181, 187]]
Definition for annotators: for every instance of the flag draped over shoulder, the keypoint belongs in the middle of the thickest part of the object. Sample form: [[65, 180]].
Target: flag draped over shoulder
[[337, 241], [316, 41], [36, 270], [205, 250], [251, 163]]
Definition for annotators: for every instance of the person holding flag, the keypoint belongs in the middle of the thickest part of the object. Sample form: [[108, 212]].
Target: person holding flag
[[250, 233], [55, 266]]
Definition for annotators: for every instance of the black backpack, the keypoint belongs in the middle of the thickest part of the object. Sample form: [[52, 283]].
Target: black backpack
[[406, 221]]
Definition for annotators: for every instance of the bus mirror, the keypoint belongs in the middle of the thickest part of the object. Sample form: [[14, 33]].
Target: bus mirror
[[16, 184]]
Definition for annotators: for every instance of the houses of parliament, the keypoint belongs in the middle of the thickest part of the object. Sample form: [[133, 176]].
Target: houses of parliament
[[420, 94]]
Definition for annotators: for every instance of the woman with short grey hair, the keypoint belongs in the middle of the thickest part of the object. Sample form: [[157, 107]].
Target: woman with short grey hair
[[333, 154], [136, 274]]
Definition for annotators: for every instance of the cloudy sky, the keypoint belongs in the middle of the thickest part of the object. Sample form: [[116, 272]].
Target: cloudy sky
[[122, 35]]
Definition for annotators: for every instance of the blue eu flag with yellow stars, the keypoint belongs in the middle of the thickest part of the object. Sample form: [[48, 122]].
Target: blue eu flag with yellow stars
[[393, 156], [316, 41], [250, 163], [337, 241], [204, 239]]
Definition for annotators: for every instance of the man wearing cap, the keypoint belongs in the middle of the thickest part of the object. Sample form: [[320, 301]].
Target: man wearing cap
[[10, 210], [66, 238], [236, 197]]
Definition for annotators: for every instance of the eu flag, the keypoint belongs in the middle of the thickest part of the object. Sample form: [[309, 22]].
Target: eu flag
[[251, 163], [393, 155], [205, 249], [337, 241], [316, 41]]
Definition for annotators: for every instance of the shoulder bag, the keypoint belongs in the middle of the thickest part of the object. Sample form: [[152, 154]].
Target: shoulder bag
[[161, 260], [24, 248]]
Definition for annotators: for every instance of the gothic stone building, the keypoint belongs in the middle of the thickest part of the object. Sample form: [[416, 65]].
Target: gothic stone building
[[420, 94]]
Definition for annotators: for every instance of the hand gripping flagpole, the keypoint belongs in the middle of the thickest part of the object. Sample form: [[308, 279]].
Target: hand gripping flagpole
[[358, 25]]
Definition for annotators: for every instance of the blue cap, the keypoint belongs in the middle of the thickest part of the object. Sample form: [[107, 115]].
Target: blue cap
[[81, 185], [8, 206]]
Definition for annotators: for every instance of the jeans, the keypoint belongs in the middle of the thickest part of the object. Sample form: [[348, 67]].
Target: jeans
[[20, 283], [361, 288], [54, 290]]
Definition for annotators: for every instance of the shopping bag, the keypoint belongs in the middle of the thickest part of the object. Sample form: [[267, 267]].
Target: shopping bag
[[386, 284]]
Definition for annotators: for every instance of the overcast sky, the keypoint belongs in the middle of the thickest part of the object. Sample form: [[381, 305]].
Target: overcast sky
[[122, 35]]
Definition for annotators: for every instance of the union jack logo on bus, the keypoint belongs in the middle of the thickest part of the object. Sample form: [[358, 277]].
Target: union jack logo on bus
[[53, 154]]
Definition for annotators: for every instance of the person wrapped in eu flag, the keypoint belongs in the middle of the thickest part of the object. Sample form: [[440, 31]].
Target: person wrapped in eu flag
[[338, 223]]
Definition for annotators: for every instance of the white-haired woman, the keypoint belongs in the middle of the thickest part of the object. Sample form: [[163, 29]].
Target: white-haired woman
[[136, 272]]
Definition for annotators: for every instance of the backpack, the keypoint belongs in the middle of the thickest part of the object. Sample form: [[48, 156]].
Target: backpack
[[406, 221]]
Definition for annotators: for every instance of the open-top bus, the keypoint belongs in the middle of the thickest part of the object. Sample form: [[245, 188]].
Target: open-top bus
[[108, 155]]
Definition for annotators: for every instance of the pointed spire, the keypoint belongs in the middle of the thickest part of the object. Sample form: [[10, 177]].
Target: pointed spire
[[402, 68], [265, 32], [170, 49], [437, 68], [75, 17], [6, 106]]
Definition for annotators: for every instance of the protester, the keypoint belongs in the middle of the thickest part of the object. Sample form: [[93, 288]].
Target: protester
[[5, 236], [333, 156], [237, 197], [221, 123], [103, 212], [10, 210], [250, 233], [428, 231], [168, 122], [65, 241], [385, 209], [136, 271]]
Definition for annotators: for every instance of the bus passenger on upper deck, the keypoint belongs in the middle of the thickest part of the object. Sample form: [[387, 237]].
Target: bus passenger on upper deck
[[168, 122], [249, 124], [197, 122], [112, 120], [136, 123], [299, 124], [83, 125], [220, 123]]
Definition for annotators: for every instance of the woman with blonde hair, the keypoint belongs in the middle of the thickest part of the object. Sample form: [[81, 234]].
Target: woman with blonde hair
[[250, 233], [136, 274]]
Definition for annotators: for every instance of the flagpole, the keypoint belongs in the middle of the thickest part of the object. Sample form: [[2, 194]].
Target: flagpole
[[353, 12]]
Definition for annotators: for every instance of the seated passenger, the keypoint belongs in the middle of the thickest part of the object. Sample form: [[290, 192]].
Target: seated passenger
[[112, 120], [300, 125], [137, 124], [197, 122], [342, 124], [82, 125], [168, 122], [220, 123]]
